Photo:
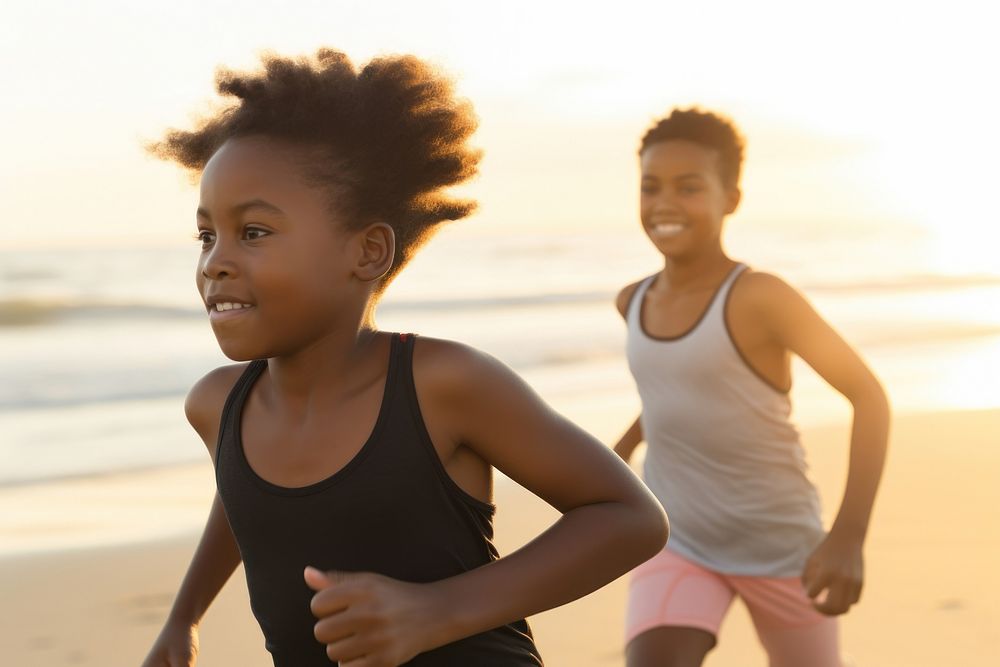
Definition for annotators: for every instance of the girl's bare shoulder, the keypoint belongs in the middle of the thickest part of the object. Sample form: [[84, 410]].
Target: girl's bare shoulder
[[461, 380], [205, 400], [446, 366]]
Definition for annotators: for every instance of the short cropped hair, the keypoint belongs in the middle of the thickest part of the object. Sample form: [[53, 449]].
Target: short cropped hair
[[708, 129]]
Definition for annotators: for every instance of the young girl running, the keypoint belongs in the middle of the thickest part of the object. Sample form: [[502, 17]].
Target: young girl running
[[354, 465], [709, 345]]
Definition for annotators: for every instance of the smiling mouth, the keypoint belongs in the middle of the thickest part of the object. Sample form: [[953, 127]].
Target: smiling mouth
[[667, 229], [228, 305], [226, 310]]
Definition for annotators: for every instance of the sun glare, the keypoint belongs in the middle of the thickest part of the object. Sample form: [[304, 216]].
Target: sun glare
[[944, 190]]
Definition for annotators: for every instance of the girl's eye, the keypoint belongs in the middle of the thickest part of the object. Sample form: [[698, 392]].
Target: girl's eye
[[255, 233], [205, 237]]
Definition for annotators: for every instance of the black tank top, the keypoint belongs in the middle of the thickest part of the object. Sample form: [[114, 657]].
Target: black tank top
[[392, 510]]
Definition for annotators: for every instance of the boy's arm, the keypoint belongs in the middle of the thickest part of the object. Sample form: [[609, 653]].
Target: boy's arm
[[630, 440], [633, 436], [836, 566], [217, 554], [610, 522]]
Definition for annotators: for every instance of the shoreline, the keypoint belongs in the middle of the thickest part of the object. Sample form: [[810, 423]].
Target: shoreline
[[112, 508]]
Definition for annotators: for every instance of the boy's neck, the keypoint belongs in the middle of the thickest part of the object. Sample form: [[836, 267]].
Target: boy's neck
[[697, 271]]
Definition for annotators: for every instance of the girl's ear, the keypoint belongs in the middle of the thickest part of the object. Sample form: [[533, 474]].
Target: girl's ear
[[733, 196], [377, 244]]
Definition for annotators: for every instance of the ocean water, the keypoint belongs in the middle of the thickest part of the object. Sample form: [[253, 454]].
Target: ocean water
[[99, 345]]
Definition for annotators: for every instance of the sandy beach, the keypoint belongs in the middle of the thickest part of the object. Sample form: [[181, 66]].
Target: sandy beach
[[89, 575]]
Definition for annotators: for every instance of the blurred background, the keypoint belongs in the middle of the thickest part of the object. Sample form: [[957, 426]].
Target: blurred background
[[869, 183]]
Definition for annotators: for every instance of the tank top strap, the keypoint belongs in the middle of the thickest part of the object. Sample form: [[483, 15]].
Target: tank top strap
[[402, 346], [727, 284], [717, 309], [429, 453], [402, 361], [232, 411], [632, 312]]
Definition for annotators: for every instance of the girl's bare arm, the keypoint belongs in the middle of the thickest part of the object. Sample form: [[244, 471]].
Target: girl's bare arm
[[217, 555], [610, 522]]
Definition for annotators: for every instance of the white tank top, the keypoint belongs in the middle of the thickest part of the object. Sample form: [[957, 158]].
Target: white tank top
[[723, 457]]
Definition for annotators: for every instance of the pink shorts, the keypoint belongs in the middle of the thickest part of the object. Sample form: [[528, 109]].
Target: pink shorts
[[669, 590]]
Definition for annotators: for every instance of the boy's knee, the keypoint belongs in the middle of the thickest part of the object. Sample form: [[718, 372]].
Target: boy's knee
[[669, 647]]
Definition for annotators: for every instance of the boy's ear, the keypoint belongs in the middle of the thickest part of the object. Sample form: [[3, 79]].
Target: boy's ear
[[733, 196], [377, 245]]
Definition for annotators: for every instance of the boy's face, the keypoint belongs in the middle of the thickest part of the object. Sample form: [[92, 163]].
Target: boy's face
[[271, 247], [683, 200]]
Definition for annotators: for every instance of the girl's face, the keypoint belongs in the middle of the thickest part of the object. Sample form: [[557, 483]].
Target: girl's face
[[276, 266], [683, 200]]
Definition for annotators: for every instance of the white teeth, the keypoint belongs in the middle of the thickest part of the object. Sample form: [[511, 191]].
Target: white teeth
[[668, 229], [229, 305]]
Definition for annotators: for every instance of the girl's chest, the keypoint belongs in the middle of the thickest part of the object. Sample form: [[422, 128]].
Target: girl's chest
[[296, 455]]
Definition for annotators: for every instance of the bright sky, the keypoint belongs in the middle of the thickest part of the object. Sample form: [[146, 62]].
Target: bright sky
[[857, 113]]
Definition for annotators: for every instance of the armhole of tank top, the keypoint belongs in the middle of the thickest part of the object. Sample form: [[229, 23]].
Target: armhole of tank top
[[424, 435], [785, 393], [635, 299], [237, 393]]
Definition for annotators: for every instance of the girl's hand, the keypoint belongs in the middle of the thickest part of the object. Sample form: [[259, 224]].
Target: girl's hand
[[368, 620], [177, 646], [837, 567]]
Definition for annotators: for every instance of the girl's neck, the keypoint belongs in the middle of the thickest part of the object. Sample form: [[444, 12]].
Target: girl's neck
[[697, 271], [330, 363], [334, 364]]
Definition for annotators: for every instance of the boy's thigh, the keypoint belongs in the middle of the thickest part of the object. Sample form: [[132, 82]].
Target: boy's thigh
[[791, 630], [675, 608]]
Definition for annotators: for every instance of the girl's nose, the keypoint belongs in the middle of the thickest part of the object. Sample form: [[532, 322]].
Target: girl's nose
[[217, 264]]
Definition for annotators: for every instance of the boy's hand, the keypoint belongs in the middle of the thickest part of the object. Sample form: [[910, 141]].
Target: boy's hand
[[177, 646], [368, 620], [837, 567]]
